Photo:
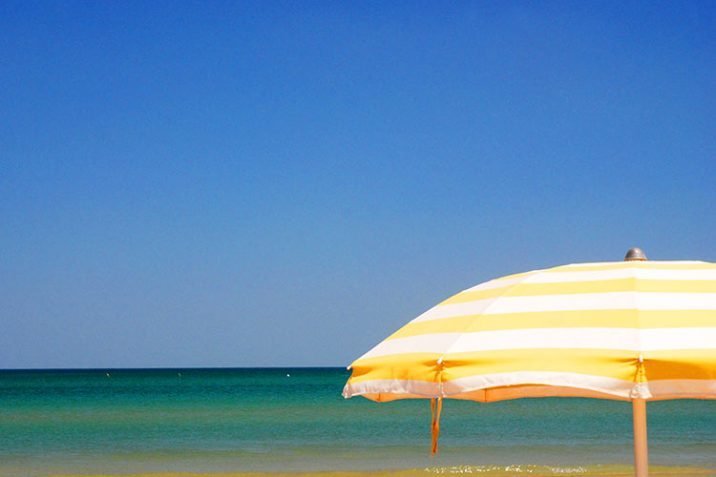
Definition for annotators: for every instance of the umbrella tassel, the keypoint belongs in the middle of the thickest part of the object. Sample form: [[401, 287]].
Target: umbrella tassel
[[436, 406]]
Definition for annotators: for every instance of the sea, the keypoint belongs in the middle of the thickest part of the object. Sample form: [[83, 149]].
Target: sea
[[124, 421]]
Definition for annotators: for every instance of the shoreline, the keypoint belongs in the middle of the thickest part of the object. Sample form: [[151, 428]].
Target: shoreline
[[485, 471]]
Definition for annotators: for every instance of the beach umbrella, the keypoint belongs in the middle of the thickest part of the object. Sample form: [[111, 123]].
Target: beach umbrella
[[633, 330]]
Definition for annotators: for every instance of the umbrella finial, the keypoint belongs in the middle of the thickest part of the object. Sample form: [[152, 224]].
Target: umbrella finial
[[635, 255]]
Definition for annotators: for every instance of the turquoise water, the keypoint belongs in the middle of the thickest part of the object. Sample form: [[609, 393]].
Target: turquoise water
[[295, 419]]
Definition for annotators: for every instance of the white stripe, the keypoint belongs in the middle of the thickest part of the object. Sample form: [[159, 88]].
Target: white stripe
[[403, 387], [574, 302], [639, 273], [650, 264], [633, 339], [549, 276], [652, 390], [587, 338], [501, 386], [601, 384], [431, 343], [683, 389]]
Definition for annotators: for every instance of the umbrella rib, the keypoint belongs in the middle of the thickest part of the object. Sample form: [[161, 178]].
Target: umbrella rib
[[640, 381], [441, 360]]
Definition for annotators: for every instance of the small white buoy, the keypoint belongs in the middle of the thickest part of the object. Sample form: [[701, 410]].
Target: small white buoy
[[107, 374], [288, 375]]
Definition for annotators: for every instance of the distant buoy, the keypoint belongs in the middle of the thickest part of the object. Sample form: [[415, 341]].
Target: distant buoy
[[288, 375], [107, 374]]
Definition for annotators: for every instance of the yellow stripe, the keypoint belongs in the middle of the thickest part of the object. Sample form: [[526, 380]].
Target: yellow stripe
[[562, 319], [607, 363], [597, 286], [680, 364], [617, 364], [409, 366]]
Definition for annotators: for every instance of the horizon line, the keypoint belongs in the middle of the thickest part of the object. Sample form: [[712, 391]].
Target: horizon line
[[169, 368]]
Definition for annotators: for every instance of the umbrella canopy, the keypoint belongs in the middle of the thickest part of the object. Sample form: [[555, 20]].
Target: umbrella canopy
[[635, 330]]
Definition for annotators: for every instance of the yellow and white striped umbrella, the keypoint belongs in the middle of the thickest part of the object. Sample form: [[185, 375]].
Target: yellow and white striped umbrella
[[632, 330]]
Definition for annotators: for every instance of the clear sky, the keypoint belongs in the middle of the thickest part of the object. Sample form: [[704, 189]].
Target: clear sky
[[286, 183]]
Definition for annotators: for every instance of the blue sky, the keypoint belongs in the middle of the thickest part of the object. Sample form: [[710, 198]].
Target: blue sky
[[286, 183]]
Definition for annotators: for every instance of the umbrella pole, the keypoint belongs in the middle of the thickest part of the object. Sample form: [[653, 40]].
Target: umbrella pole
[[641, 449]]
